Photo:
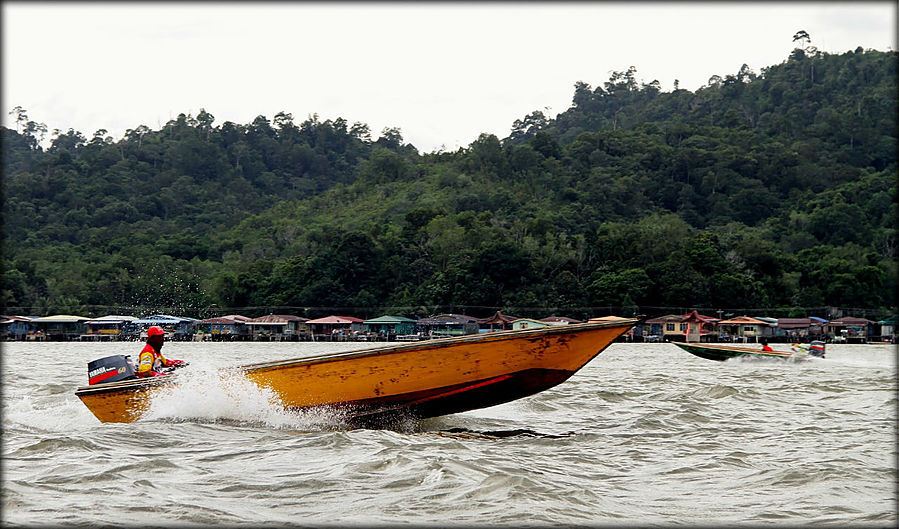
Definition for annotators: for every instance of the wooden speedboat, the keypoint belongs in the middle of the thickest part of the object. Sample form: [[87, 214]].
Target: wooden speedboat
[[419, 380], [726, 352]]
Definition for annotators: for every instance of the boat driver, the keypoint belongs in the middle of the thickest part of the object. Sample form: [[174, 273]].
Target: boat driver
[[151, 360], [765, 346]]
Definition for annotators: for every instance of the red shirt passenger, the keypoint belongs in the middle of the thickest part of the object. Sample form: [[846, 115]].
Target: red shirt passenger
[[151, 359]]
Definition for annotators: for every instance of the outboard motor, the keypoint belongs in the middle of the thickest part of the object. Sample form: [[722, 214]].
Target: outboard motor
[[817, 349], [114, 368]]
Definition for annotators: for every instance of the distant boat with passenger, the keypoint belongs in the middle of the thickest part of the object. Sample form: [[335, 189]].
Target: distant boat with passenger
[[726, 352]]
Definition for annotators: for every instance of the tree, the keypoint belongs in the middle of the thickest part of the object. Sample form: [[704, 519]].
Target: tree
[[546, 145], [391, 138], [101, 137], [71, 141], [583, 94], [622, 81], [137, 134], [283, 120], [528, 126], [385, 166], [204, 122], [746, 74], [628, 286], [361, 132], [21, 116], [629, 197], [486, 154], [35, 133]]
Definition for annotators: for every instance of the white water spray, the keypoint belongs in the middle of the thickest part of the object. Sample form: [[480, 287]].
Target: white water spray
[[207, 393]]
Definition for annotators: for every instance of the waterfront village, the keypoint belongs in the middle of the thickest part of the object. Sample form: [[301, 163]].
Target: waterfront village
[[691, 327]]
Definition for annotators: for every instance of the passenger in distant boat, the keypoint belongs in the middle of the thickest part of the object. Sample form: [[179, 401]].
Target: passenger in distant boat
[[765, 346], [151, 360]]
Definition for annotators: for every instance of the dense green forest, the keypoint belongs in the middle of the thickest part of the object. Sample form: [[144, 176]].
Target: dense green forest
[[759, 193]]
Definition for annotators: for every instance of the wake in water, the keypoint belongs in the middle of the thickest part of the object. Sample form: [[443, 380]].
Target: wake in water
[[757, 359], [811, 361], [45, 415], [465, 433], [207, 393]]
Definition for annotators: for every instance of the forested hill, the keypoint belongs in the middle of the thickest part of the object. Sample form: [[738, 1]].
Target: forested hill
[[760, 193]]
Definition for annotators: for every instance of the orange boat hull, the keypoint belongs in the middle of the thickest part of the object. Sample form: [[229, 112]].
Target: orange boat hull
[[422, 379]]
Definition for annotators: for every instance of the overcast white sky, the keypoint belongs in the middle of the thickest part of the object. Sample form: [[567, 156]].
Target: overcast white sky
[[441, 72]]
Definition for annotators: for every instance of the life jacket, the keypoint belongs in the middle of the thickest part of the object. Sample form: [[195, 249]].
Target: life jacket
[[150, 359]]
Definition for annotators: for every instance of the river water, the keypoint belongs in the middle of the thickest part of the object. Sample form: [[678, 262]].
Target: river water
[[644, 434]]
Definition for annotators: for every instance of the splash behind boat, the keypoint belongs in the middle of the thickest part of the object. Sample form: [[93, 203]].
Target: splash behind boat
[[422, 379]]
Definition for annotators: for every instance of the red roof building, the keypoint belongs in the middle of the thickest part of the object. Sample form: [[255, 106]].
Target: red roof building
[[335, 324], [497, 320], [335, 320]]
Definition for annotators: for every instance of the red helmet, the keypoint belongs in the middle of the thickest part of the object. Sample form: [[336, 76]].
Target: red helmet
[[155, 331]]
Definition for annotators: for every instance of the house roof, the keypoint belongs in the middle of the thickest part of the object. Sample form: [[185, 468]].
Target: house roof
[[559, 319], [794, 323], [224, 320], [850, 321], [388, 320], [237, 317], [666, 319], [112, 318], [695, 316], [13, 319], [498, 317], [461, 317], [60, 318], [277, 318], [605, 318], [336, 320], [742, 320], [448, 319], [156, 319], [16, 318]]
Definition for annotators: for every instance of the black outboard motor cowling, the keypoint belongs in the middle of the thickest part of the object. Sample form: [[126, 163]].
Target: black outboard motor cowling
[[816, 348], [114, 368]]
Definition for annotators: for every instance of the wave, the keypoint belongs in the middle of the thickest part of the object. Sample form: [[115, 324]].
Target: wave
[[207, 393]]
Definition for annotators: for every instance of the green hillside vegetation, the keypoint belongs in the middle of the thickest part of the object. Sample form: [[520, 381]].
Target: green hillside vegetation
[[760, 192]]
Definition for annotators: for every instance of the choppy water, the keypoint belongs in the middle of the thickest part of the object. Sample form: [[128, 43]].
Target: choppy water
[[644, 434]]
